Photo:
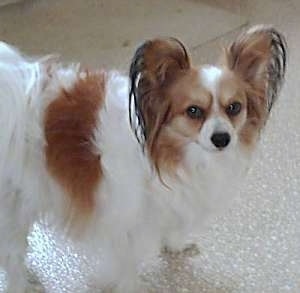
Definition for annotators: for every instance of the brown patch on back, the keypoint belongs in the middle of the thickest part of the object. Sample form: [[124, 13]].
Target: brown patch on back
[[70, 122]]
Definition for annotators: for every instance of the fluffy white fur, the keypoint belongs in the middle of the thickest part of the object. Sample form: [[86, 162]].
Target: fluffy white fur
[[136, 215]]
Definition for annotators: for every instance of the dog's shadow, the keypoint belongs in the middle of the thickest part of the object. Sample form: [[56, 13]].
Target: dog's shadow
[[177, 274], [171, 272]]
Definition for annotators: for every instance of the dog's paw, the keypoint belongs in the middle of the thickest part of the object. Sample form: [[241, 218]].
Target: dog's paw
[[189, 250]]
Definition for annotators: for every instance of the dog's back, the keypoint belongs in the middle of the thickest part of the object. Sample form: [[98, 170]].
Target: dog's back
[[54, 122]]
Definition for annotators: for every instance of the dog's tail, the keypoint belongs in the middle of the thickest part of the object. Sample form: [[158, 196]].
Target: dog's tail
[[17, 81], [19, 78]]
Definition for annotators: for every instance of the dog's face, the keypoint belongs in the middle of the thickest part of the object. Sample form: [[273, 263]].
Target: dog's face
[[216, 107], [209, 107]]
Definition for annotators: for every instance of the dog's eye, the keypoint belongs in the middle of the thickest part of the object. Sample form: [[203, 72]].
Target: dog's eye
[[195, 112], [234, 109]]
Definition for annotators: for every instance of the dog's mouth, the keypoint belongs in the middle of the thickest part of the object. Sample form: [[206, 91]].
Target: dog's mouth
[[214, 150]]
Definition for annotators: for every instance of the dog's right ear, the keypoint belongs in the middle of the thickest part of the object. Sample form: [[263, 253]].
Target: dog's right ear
[[258, 56], [155, 65]]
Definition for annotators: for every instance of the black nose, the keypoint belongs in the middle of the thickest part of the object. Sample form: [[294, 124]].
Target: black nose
[[221, 139]]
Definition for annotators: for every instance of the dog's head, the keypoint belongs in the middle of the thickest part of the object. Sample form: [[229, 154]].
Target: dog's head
[[174, 104]]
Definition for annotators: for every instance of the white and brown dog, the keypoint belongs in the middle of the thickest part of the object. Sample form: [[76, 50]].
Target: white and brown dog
[[129, 164]]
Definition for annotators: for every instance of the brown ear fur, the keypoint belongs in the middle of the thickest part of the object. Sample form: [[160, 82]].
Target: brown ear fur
[[258, 57], [155, 65]]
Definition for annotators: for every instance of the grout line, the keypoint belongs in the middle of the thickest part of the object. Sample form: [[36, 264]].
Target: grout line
[[293, 4], [242, 26]]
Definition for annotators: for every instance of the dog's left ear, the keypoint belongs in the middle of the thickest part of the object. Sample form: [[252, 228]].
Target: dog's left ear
[[259, 58], [155, 66]]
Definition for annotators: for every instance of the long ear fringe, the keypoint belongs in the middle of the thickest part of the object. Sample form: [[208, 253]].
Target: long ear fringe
[[277, 55], [139, 71], [135, 116], [277, 65]]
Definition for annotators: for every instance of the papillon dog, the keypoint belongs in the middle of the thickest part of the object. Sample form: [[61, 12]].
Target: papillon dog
[[129, 164]]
